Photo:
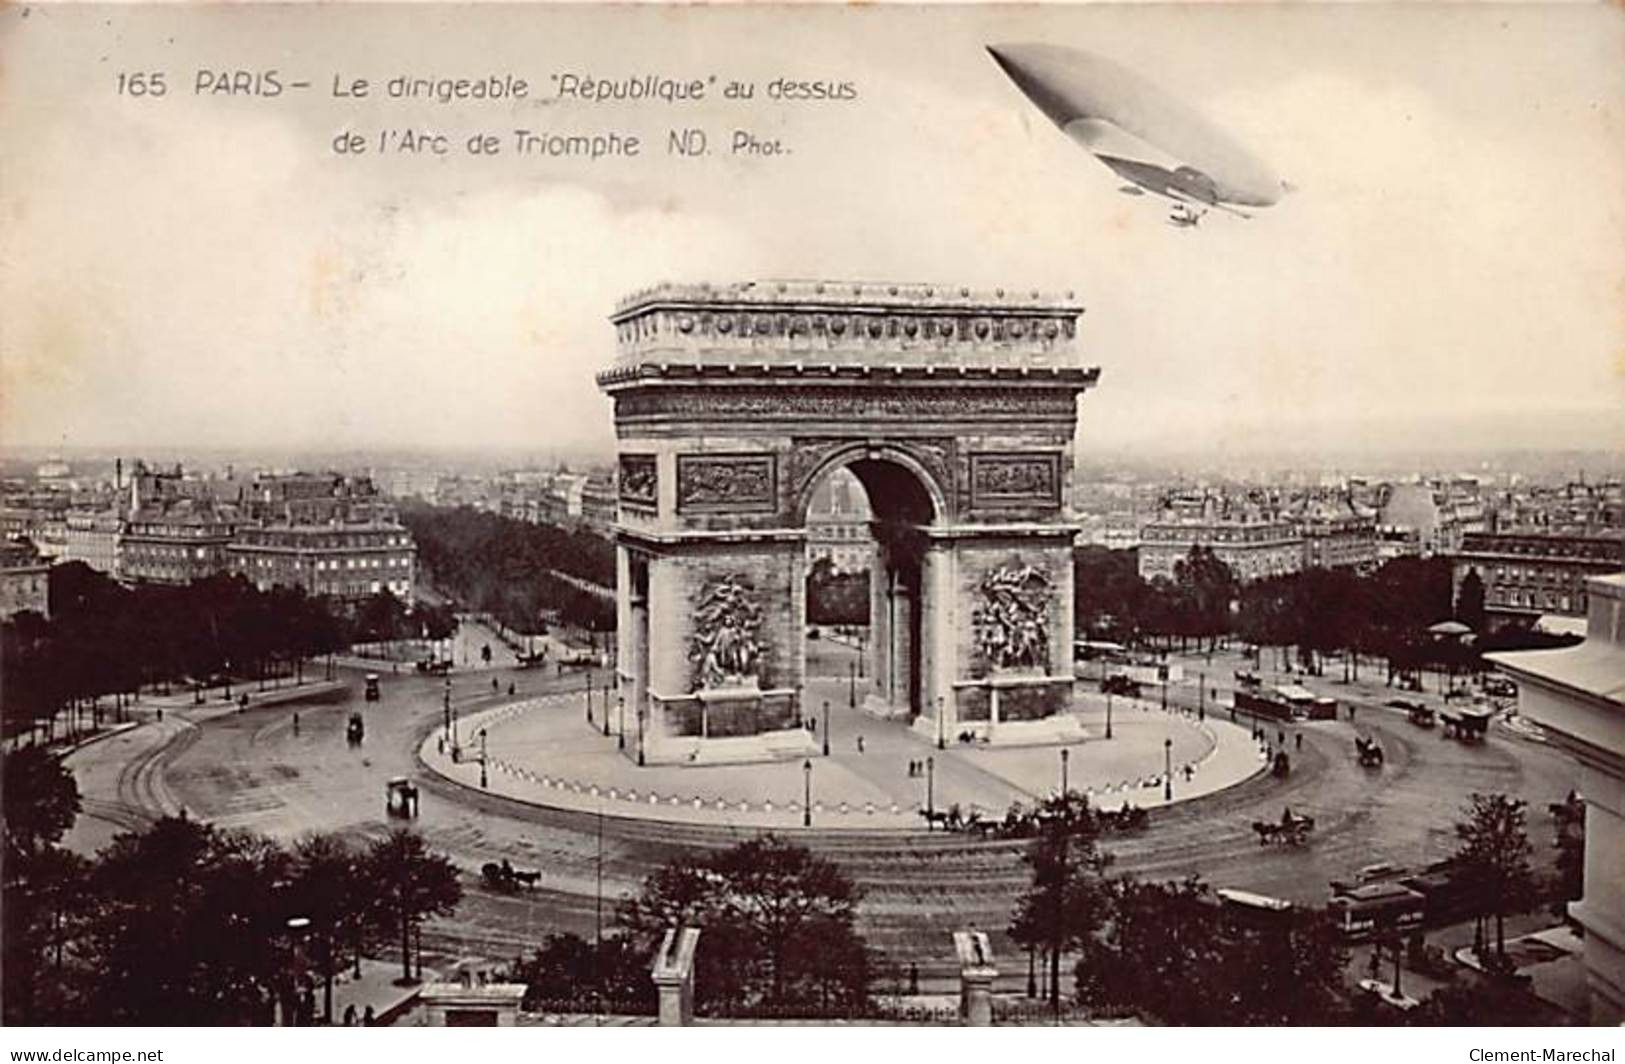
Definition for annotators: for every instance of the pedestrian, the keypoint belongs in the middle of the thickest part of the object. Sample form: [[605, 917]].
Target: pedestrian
[[1297, 740], [510, 688], [1280, 738], [296, 724], [860, 744], [349, 1015], [494, 685], [367, 1017]]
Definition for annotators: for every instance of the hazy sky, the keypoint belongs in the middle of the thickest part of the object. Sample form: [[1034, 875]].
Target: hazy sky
[[203, 270]]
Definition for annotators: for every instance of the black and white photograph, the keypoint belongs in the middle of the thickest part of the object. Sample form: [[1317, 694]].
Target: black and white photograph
[[1101, 516]]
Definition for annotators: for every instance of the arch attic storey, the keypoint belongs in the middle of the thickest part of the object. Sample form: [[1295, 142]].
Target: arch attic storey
[[955, 409]]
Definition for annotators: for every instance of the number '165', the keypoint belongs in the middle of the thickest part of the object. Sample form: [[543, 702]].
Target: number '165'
[[141, 84]]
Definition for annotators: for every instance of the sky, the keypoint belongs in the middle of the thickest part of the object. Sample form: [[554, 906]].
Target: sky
[[203, 270]]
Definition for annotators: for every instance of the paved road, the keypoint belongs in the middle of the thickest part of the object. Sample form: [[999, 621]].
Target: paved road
[[252, 770]]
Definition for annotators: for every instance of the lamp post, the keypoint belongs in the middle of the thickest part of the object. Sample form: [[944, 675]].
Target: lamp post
[[1165, 695], [445, 706], [826, 727], [640, 734], [941, 722], [588, 689], [1065, 754], [484, 780], [806, 793], [1167, 770], [930, 791], [1108, 714], [852, 679], [620, 722], [1201, 696]]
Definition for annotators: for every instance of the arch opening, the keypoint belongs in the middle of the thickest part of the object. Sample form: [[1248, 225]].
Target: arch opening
[[865, 582]]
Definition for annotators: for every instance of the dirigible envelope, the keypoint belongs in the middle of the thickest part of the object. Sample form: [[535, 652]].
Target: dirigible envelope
[[1142, 133]]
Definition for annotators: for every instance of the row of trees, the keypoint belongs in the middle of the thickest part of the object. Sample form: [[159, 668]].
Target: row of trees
[[1170, 950], [1384, 613], [185, 920], [106, 640], [514, 570]]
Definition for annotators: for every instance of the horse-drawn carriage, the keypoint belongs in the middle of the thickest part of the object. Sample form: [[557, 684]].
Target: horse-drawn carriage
[[1293, 830], [1368, 751], [506, 878]]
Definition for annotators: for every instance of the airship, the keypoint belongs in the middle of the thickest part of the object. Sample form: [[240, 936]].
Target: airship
[[1151, 140]]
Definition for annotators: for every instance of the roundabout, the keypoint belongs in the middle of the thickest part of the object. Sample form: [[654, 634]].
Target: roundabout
[[878, 774]]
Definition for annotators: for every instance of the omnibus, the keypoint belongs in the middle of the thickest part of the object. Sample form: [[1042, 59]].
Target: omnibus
[[1098, 650], [1363, 911]]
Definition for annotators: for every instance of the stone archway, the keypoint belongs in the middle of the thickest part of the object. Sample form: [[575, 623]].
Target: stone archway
[[956, 410], [905, 502]]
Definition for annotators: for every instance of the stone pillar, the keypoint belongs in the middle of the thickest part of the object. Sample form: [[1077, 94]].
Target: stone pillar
[[673, 975], [976, 975], [468, 1004]]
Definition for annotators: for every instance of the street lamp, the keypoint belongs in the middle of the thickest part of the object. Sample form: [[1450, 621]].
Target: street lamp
[[588, 689], [483, 778], [605, 699], [640, 734], [852, 678], [1167, 770], [1165, 696], [620, 722], [1201, 696], [806, 794], [930, 791], [445, 704], [1065, 754], [826, 727], [941, 722], [1108, 714]]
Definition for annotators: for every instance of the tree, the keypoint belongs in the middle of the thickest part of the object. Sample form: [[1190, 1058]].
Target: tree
[[1494, 858], [779, 924], [570, 969], [1170, 950], [408, 884], [40, 800], [1067, 901], [188, 923], [1470, 601], [323, 887]]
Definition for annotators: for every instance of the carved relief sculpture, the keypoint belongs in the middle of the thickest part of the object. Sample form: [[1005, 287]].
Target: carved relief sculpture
[[725, 482], [1015, 479], [725, 647], [1012, 621], [639, 479]]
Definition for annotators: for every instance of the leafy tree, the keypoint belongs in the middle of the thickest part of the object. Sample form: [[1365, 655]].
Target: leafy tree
[[1067, 900], [41, 800], [188, 923], [1470, 601], [408, 883], [569, 968], [1494, 857], [1169, 950], [324, 886], [778, 924]]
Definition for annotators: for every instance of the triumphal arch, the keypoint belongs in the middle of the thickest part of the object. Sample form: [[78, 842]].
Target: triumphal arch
[[956, 410]]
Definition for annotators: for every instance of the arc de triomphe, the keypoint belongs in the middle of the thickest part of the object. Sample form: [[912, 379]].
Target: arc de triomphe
[[955, 409]]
